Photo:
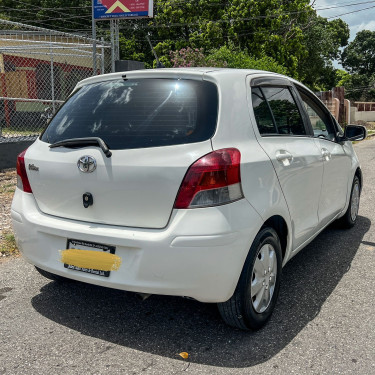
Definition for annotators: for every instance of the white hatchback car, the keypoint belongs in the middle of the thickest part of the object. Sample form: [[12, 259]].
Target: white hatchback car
[[190, 182]]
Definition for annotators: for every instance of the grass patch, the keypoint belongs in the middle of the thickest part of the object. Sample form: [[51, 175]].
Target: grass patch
[[8, 244], [21, 133], [7, 188]]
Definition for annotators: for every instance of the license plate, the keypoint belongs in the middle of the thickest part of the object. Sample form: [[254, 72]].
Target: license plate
[[84, 245]]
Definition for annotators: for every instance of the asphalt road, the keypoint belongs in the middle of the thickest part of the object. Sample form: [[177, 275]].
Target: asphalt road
[[324, 322]]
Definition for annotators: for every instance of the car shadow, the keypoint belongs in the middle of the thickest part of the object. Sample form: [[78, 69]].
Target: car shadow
[[168, 325]]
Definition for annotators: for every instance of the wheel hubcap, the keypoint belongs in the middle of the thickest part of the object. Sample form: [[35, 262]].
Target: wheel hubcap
[[354, 202], [263, 278]]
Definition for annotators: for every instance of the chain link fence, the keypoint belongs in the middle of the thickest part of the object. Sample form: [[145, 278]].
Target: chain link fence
[[38, 70]]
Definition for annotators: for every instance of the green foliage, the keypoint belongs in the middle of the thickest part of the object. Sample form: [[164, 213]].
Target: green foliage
[[278, 35], [8, 244], [188, 57], [320, 125], [359, 59], [359, 56], [130, 49], [54, 14], [224, 57], [271, 33], [234, 58], [360, 87], [342, 77], [323, 40]]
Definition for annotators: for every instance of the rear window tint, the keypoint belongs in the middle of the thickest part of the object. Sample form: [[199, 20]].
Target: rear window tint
[[138, 113], [262, 113]]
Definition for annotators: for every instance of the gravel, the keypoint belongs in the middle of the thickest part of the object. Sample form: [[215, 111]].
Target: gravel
[[323, 323], [8, 180]]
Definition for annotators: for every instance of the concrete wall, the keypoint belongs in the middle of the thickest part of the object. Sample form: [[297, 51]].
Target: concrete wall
[[9, 152], [355, 115]]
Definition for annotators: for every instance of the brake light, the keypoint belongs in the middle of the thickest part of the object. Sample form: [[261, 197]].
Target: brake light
[[212, 180], [22, 179]]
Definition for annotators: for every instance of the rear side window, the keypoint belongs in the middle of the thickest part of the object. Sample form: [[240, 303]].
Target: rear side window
[[276, 112], [262, 113], [138, 113]]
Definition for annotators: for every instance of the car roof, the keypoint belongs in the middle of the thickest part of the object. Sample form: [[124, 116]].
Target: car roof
[[196, 73], [217, 74]]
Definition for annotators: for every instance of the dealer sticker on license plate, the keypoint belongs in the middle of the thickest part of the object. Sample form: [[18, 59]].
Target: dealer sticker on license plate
[[90, 253]]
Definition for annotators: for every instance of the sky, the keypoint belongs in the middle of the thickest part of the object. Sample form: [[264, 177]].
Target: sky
[[360, 20], [357, 20]]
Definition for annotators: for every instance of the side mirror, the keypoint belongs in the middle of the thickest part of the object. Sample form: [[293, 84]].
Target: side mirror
[[355, 133]]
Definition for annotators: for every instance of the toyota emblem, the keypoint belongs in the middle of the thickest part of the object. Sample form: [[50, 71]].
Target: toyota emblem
[[86, 164]]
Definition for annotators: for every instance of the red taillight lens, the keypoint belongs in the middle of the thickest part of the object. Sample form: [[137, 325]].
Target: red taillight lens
[[22, 179], [212, 180]]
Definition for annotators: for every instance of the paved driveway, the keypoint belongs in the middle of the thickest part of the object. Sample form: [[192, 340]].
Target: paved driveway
[[324, 322]]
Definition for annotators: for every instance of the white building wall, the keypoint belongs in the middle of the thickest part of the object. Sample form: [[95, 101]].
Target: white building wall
[[355, 115]]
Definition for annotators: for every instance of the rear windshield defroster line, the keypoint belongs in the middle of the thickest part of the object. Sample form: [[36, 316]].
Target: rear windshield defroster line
[[138, 113]]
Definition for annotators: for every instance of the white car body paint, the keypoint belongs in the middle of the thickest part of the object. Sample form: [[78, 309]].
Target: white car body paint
[[196, 252]]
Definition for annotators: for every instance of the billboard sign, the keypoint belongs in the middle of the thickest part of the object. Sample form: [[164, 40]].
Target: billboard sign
[[115, 9]]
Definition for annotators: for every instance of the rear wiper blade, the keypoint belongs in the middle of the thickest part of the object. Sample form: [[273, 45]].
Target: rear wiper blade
[[96, 141]]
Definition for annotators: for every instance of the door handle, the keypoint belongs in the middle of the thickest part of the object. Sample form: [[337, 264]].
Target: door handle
[[326, 154], [284, 157]]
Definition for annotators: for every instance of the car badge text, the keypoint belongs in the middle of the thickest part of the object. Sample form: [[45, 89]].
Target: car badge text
[[86, 164], [32, 167]]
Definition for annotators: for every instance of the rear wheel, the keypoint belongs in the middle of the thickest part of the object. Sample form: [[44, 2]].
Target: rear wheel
[[351, 214], [257, 290], [51, 276]]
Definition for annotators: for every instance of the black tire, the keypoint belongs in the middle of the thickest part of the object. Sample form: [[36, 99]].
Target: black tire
[[350, 218], [51, 276], [240, 311]]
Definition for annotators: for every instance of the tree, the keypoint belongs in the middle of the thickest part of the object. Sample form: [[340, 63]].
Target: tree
[[233, 57], [359, 59], [323, 40], [264, 28], [71, 15], [224, 57], [359, 56], [360, 87], [288, 32]]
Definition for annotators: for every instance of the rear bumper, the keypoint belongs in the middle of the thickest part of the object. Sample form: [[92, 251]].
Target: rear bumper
[[200, 254]]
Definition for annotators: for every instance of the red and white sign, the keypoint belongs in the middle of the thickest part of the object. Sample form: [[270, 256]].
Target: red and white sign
[[112, 9]]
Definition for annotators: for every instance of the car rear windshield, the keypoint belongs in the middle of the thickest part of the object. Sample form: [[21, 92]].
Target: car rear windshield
[[139, 113]]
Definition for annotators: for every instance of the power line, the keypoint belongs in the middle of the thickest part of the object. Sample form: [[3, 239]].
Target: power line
[[28, 22], [354, 11], [45, 31], [48, 18], [188, 24], [18, 20], [55, 10], [174, 24], [179, 24], [253, 32]]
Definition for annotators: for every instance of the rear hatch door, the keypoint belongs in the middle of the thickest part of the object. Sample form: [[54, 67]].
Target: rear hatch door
[[155, 129]]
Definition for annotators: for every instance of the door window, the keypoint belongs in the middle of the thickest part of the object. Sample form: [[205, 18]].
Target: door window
[[276, 111], [320, 118]]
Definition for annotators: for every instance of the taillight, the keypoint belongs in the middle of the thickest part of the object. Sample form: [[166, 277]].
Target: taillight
[[212, 180], [22, 179]]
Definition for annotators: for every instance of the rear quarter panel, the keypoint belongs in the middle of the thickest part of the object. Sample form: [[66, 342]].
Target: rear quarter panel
[[235, 128]]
